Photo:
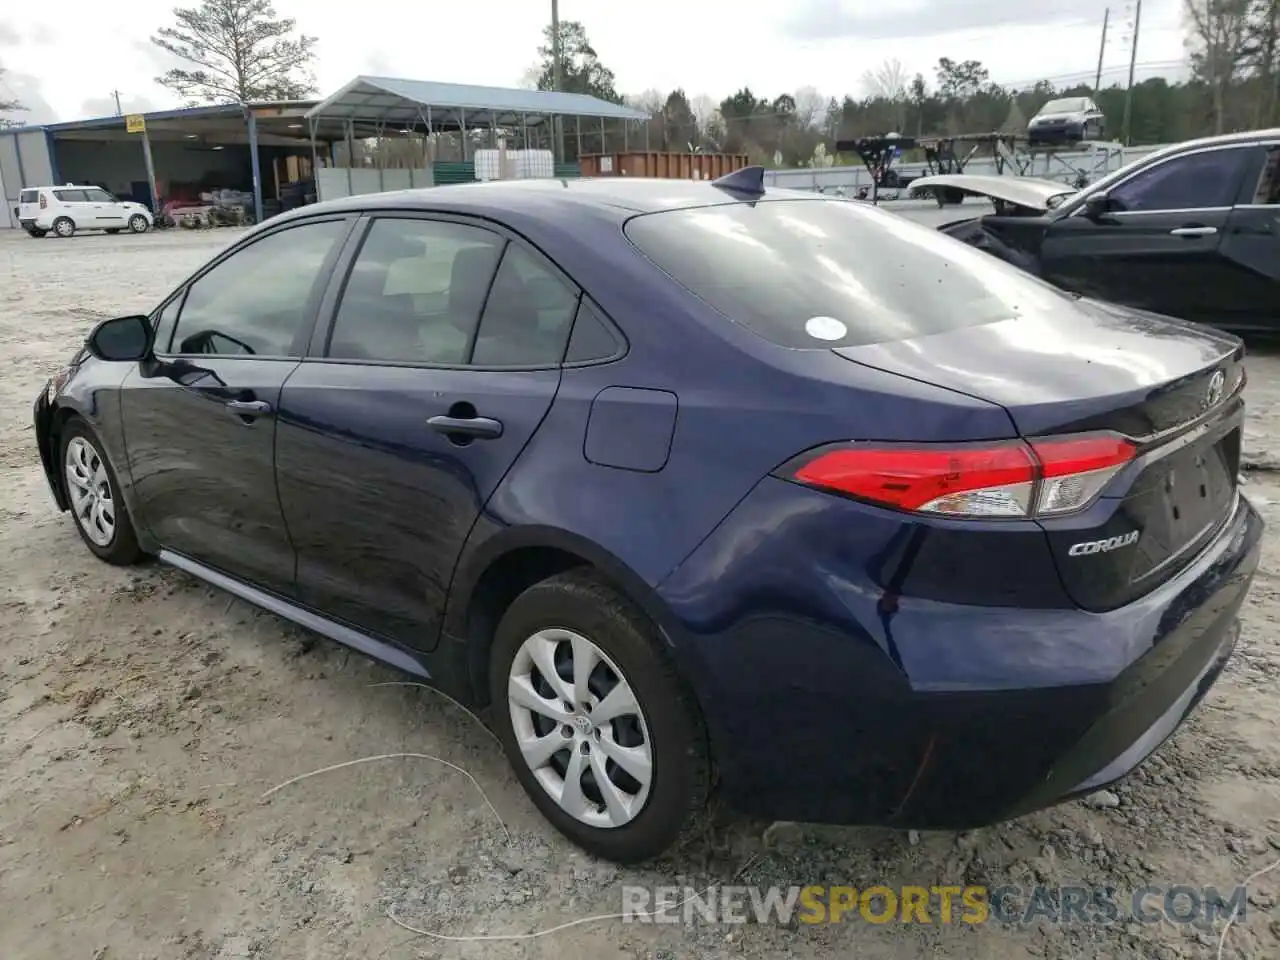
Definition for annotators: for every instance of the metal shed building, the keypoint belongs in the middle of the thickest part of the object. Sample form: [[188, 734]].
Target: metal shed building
[[241, 145]]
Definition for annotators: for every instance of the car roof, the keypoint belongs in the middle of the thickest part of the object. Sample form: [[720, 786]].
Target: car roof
[[1248, 136], [616, 197]]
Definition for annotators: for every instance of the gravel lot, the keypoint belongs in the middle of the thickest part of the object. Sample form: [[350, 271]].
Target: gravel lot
[[143, 715]]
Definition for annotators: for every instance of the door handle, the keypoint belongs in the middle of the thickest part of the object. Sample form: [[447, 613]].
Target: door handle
[[481, 428], [1193, 232], [247, 410]]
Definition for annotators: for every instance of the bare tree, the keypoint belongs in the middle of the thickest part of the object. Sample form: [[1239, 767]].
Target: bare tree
[[529, 79], [1264, 29], [1219, 43], [242, 51], [650, 101], [889, 82], [811, 107]]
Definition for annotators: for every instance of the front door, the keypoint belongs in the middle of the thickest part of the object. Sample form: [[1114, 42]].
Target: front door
[[107, 210], [442, 360], [1158, 245], [200, 417]]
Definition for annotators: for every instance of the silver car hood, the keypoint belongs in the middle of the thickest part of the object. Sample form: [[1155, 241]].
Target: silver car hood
[[1029, 192]]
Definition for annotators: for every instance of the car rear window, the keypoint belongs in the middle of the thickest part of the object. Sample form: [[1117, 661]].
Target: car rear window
[[833, 273], [29, 196]]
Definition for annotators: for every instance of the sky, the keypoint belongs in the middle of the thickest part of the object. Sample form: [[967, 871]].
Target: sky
[[64, 64]]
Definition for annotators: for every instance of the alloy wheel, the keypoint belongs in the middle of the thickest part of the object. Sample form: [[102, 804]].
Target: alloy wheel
[[580, 728], [89, 488], [64, 227], [138, 223]]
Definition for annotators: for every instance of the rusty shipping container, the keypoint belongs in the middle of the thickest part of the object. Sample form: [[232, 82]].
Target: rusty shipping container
[[677, 166]]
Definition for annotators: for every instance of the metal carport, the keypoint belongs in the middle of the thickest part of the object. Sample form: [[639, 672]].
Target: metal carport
[[411, 106]]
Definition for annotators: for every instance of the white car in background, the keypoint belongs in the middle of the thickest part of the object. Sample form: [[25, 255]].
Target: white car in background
[[71, 207]]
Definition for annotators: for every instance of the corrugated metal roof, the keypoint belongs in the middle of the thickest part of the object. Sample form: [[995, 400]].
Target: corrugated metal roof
[[182, 113], [398, 100]]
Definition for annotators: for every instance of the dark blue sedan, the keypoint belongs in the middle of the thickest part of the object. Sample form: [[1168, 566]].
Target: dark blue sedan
[[693, 485]]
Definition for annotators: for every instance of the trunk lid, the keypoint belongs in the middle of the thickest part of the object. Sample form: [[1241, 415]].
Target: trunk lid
[[1173, 388]]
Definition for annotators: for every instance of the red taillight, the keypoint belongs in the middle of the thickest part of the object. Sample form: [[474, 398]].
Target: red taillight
[[1007, 479]]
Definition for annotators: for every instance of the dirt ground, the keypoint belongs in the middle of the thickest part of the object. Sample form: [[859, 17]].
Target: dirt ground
[[143, 715]]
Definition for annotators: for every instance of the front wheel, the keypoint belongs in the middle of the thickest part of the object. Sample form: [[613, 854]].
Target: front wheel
[[138, 223], [603, 734], [93, 493]]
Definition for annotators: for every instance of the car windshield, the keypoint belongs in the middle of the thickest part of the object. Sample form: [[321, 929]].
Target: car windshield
[[1066, 105], [828, 273]]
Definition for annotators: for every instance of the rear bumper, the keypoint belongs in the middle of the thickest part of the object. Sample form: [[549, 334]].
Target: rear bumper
[[1066, 130], [942, 716]]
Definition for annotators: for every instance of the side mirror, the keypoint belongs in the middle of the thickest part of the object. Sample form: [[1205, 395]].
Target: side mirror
[[1096, 206], [121, 339]]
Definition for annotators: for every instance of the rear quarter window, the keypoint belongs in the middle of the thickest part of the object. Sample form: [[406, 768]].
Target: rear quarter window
[[832, 273], [29, 196]]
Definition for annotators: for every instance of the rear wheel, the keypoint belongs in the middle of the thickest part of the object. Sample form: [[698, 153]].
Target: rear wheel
[[138, 223], [64, 227], [602, 733], [93, 493]]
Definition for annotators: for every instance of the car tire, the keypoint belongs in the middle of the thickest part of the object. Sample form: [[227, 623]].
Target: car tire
[[37, 233], [138, 223], [561, 617], [64, 227], [87, 475]]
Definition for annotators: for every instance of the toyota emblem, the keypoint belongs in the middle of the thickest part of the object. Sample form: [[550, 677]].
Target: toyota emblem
[[1213, 395]]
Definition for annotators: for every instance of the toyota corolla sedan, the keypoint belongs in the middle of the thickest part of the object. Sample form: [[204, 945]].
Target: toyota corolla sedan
[[691, 484]]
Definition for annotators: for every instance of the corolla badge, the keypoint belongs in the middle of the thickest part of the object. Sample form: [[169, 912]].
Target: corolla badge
[[1103, 546], [1213, 394]]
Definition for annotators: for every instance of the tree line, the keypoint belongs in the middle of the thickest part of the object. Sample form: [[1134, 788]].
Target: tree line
[[1233, 83], [241, 51]]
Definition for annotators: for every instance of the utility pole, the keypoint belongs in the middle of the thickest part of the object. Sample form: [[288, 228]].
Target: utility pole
[[116, 94], [1102, 49], [557, 80], [1133, 60]]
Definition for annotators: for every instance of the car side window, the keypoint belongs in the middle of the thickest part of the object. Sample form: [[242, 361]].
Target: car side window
[[528, 316], [165, 321], [415, 292], [591, 339], [1268, 190], [99, 196], [255, 302], [1210, 178], [71, 196]]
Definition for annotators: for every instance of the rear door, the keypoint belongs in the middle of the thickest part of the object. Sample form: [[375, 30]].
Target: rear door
[[442, 359], [74, 203], [200, 419], [1251, 245], [1158, 245]]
